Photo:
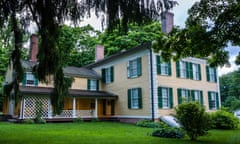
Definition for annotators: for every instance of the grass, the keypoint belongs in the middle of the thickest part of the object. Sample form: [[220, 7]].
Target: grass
[[99, 133]]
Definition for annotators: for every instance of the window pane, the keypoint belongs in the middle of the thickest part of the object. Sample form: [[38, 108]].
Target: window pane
[[195, 72], [134, 98], [29, 79], [165, 97], [108, 75], [93, 84], [164, 68], [133, 68], [183, 70]]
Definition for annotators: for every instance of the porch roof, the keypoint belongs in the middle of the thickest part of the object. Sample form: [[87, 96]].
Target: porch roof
[[72, 92]]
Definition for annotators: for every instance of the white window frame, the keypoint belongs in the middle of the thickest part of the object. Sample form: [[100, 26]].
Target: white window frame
[[108, 75], [211, 74], [93, 85], [164, 68], [30, 79], [197, 96], [134, 98], [133, 69], [165, 97], [184, 95], [195, 71], [183, 69], [213, 100]]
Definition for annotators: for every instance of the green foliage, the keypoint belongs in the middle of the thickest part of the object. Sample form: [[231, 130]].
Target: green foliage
[[28, 121], [78, 120], [230, 85], [224, 120], [115, 42], [195, 121], [95, 120], [150, 124], [169, 132]]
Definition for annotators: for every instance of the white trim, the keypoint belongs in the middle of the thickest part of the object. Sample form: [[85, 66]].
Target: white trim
[[49, 108], [96, 108], [74, 107], [218, 89]]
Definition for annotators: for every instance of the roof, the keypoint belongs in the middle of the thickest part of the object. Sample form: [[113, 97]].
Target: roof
[[68, 71], [72, 92], [81, 72], [115, 56]]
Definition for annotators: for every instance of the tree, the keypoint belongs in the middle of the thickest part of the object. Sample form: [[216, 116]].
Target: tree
[[211, 25], [194, 119], [49, 15], [229, 85], [115, 42]]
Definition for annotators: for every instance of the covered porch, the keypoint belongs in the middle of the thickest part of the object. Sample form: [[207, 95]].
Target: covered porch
[[80, 104]]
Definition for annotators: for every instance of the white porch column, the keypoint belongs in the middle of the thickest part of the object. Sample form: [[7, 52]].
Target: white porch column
[[22, 108], [49, 108], [74, 107], [96, 108]]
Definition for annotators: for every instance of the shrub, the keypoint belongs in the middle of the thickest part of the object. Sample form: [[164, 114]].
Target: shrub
[[195, 121], [224, 120], [28, 121], [95, 120], [39, 120], [78, 120], [150, 124], [169, 132]]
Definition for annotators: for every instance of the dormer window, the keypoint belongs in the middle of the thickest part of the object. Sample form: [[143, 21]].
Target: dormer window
[[29, 79]]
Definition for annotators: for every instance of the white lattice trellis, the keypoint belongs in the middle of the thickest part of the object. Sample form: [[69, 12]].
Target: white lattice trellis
[[30, 106]]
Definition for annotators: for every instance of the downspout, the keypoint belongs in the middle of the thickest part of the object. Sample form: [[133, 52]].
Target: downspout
[[151, 79]]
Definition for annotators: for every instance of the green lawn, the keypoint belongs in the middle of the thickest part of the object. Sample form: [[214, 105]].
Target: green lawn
[[99, 133]]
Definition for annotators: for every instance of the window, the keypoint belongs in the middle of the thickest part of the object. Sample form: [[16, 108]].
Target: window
[[183, 95], [165, 97], [196, 70], [197, 96], [93, 85], [134, 98], [163, 68], [29, 79], [213, 100], [182, 69], [188, 70], [211, 74], [134, 68], [108, 75]]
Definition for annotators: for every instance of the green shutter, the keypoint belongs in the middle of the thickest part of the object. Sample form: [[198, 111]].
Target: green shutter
[[188, 95], [97, 81], [207, 72], [178, 68], [24, 81], [35, 81], [88, 84], [179, 96], [200, 73], [209, 100], [192, 95], [217, 100], [139, 66], [215, 75], [112, 73], [159, 97], [187, 69], [129, 98], [201, 98], [171, 97], [104, 75], [190, 70], [158, 59], [139, 98], [169, 68]]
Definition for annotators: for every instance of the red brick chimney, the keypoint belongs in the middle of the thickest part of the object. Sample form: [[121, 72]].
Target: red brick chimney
[[33, 48], [99, 53], [167, 21]]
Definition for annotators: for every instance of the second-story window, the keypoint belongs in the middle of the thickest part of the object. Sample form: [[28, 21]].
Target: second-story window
[[196, 72], [92, 85], [108, 75], [134, 68], [29, 79], [211, 74], [163, 68], [182, 69]]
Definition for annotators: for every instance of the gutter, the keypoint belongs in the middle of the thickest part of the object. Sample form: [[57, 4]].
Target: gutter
[[151, 79]]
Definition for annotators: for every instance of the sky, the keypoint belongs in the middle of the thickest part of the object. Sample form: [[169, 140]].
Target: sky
[[180, 15]]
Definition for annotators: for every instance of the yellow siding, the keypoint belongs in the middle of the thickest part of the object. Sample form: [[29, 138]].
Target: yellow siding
[[79, 83], [121, 85], [175, 83]]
